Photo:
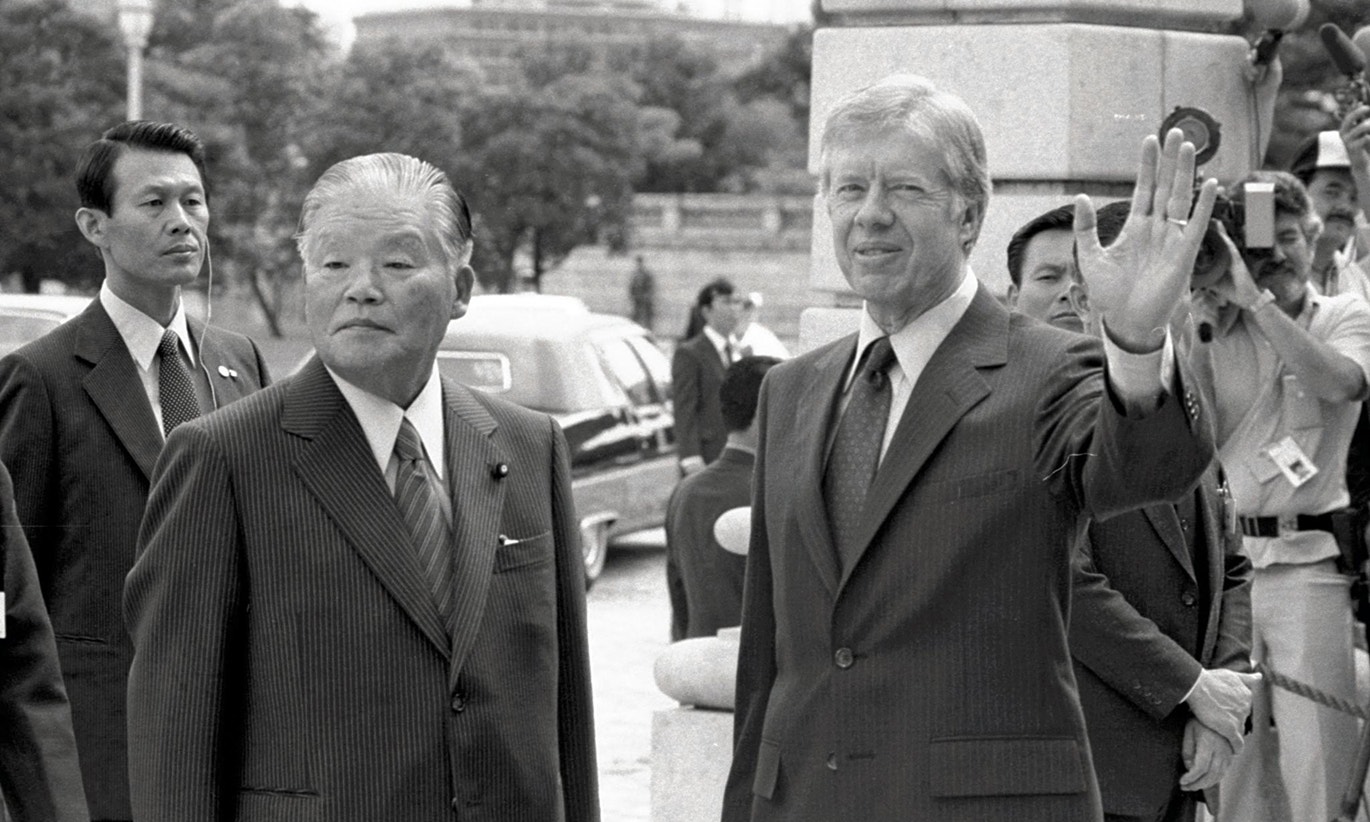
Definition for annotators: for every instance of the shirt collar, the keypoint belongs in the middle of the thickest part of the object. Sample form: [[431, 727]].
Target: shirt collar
[[142, 334], [719, 341], [380, 419], [1229, 314], [915, 342]]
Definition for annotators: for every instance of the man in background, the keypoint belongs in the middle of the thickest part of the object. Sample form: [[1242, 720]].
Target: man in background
[[642, 294], [1160, 624], [1323, 165], [1288, 375], [697, 372], [704, 579], [84, 411], [1041, 267]]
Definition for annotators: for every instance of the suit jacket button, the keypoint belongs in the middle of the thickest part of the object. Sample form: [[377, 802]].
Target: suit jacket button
[[843, 658], [500, 470], [832, 761], [459, 703], [1188, 598]]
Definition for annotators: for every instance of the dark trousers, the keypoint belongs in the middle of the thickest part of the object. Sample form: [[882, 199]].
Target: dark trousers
[[1182, 807]]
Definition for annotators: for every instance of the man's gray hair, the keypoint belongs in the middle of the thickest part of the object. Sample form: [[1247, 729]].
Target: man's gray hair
[[388, 173], [916, 105]]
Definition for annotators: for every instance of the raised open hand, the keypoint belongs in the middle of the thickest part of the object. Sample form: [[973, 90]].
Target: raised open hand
[[1138, 281]]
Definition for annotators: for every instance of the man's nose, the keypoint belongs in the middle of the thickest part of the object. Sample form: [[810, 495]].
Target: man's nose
[[363, 286], [874, 210], [178, 221]]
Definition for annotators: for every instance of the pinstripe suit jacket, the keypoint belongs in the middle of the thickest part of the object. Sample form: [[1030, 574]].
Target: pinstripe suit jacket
[[40, 777], [290, 663], [80, 440], [930, 679]]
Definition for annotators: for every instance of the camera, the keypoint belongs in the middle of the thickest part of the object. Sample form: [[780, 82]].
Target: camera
[[1249, 221]]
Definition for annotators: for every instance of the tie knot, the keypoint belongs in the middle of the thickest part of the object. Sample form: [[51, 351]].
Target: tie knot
[[879, 357], [170, 344], [408, 446]]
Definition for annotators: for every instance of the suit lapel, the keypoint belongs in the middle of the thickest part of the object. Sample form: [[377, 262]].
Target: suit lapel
[[338, 468], [477, 506], [949, 386], [1215, 555], [1167, 524], [219, 370], [817, 399], [115, 388]]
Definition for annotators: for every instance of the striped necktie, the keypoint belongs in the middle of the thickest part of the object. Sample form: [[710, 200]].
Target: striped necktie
[[417, 497]]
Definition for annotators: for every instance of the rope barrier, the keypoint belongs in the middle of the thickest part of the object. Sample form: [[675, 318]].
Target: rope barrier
[[1307, 691]]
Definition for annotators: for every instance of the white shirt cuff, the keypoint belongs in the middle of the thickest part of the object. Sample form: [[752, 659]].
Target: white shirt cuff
[[1140, 379]]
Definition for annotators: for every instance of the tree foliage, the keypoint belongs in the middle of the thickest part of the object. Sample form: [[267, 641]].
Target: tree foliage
[[61, 83]]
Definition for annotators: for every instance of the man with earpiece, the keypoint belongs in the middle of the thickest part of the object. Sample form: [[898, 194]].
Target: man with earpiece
[[85, 409]]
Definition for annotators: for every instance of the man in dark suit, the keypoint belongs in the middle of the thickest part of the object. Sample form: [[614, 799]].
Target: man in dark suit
[[904, 626], [40, 778], [1160, 627], [84, 409], [704, 579], [696, 373], [359, 595]]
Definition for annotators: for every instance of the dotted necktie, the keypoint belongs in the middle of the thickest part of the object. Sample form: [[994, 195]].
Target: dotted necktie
[[418, 501], [174, 388], [856, 449]]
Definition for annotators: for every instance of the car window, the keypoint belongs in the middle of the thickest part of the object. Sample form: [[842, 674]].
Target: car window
[[22, 329], [488, 371], [657, 365], [626, 369]]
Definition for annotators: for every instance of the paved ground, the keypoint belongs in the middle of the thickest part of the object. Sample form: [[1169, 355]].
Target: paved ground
[[629, 620]]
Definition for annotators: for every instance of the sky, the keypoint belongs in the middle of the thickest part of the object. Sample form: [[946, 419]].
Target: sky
[[337, 14]]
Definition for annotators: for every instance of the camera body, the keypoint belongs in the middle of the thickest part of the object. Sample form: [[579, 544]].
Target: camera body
[[1249, 221]]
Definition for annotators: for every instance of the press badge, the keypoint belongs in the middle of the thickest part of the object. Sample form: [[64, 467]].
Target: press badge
[[1292, 462]]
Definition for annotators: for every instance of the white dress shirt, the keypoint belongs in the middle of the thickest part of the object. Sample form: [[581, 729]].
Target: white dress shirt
[[380, 421], [1135, 377], [142, 335]]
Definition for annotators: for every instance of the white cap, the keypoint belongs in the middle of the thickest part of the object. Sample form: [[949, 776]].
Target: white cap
[[1331, 151]]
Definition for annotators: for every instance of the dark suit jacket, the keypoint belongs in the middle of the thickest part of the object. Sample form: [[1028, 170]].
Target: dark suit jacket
[[79, 437], [290, 661], [704, 579], [40, 777], [1135, 634], [930, 679], [696, 375]]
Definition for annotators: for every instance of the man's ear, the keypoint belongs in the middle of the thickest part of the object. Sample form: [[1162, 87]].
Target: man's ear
[[971, 218], [466, 282], [91, 221], [1012, 295], [1079, 300]]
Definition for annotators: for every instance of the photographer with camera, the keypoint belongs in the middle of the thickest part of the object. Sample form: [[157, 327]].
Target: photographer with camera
[[1288, 373]]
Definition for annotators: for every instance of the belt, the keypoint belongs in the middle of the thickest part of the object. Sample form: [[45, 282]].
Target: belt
[[1275, 526]]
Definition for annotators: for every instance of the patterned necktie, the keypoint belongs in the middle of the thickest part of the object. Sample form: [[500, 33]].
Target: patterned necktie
[[419, 504], [175, 391], [856, 449]]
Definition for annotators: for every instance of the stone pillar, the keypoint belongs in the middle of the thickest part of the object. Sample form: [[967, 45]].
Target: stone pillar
[[1065, 90]]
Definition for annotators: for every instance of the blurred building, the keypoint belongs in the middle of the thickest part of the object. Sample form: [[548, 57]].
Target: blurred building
[[494, 33]]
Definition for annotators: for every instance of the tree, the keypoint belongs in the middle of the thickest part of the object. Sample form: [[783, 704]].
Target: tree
[[1305, 106], [547, 169], [244, 87], [61, 84]]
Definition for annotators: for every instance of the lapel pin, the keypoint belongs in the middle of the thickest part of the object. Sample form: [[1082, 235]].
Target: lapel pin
[[499, 470], [225, 371]]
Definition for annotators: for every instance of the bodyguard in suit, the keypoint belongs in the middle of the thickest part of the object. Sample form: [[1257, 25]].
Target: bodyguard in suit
[[40, 778], [697, 371], [904, 626], [703, 578], [359, 595], [1160, 626], [84, 409]]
